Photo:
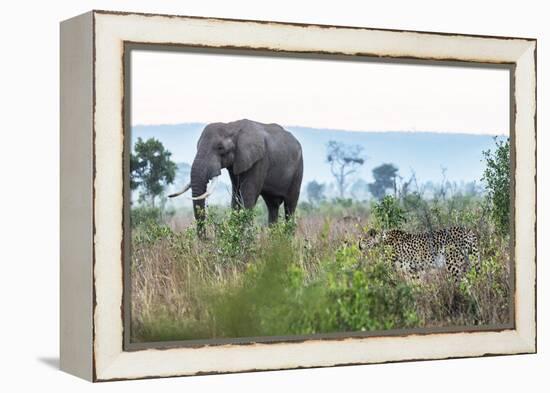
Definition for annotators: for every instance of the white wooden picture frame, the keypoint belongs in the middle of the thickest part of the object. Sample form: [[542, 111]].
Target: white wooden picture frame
[[92, 193]]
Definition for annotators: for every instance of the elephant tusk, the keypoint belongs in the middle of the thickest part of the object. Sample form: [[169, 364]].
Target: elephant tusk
[[208, 192], [198, 198], [187, 187]]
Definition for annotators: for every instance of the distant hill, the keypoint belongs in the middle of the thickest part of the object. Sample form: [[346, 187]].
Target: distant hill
[[424, 152]]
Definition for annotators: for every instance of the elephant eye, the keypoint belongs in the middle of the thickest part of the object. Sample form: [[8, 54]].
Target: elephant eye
[[220, 149]]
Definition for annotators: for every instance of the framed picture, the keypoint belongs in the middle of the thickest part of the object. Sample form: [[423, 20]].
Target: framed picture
[[246, 195]]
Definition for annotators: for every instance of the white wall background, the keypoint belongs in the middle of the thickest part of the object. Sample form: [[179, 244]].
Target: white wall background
[[29, 196]]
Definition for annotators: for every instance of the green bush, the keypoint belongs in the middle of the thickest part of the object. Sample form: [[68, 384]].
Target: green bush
[[368, 296], [497, 178], [234, 232], [145, 215], [257, 303], [388, 214], [486, 290]]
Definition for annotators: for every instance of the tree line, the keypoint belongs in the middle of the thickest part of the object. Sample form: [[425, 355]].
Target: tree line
[[152, 170]]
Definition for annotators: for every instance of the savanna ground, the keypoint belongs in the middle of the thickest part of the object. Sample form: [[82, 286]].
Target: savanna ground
[[308, 276]]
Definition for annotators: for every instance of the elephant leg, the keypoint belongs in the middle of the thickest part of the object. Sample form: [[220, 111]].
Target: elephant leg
[[245, 195], [272, 203], [291, 201], [248, 196], [290, 207], [236, 202], [247, 186]]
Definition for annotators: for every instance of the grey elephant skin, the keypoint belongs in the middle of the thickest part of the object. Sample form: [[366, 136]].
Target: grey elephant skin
[[262, 159]]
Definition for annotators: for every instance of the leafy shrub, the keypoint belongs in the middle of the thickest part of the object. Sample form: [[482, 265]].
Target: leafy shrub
[[388, 214], [369, 296], [486, 291], [150, 232], [234, 232], [255, 305], [272, 298], [497, 178], [283, 229], [145, 215]]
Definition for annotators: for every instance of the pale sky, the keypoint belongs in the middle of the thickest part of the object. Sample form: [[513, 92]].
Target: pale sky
[[176, 87]]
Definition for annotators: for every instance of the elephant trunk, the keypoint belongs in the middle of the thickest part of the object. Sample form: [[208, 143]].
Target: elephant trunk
[[199, 180]]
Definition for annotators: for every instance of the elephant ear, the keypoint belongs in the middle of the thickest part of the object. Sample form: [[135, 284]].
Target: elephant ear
[[250, 148]]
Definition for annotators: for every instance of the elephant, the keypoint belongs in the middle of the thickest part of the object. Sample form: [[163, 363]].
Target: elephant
[[262, 159]]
